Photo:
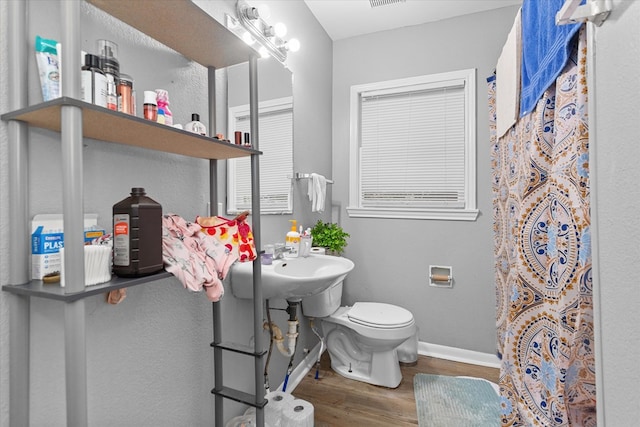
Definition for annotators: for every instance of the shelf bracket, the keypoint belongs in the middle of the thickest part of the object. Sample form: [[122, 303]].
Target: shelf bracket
[[595, 11]]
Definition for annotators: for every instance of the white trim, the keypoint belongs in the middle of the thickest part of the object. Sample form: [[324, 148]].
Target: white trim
[[302, 369], [425, 349], [430, 85], [265, 107], [470, 212], [458, 355], [240, 111], [595, 227], [443, 214], [470, 181]]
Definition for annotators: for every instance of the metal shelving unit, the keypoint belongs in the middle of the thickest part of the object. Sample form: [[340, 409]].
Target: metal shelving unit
[[112, 126], [186, 23], [36, 288]]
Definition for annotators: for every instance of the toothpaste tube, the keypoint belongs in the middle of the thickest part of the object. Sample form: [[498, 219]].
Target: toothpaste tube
[[48, 68]]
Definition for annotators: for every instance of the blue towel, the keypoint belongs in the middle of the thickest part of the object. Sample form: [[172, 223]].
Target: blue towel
[[545, 49]]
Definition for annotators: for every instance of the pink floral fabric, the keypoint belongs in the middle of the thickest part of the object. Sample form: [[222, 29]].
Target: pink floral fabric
[[235, 234], [198, 261]]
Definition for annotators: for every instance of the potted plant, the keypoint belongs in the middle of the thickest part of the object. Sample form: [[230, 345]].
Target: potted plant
[[330, 236]]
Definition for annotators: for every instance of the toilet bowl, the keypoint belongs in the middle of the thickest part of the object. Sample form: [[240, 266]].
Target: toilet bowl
[[363, 339]]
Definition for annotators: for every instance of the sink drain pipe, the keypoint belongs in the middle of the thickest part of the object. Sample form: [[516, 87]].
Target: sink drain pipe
[[292, 337]]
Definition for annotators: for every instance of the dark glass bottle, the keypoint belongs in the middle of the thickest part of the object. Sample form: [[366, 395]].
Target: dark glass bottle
[[137, 235]]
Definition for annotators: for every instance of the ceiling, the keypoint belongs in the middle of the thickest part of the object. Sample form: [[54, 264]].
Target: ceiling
[[348, 18]]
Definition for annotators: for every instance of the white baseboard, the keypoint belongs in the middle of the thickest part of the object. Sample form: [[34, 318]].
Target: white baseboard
[[302, 369], [458, 355], [424, 348]]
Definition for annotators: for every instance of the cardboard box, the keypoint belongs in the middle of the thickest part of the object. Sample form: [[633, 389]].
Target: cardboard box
[[47, 237]]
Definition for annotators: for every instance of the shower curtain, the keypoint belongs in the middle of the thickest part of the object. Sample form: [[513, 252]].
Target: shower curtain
[[541, 212]]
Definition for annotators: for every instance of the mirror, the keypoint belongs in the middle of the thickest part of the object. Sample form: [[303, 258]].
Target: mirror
[[275, 96], [274, 81]]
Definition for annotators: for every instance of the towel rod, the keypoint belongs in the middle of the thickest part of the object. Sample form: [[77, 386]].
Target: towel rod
[[299, 175]]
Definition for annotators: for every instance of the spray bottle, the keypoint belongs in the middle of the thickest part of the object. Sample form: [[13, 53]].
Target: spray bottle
[[162, 98]]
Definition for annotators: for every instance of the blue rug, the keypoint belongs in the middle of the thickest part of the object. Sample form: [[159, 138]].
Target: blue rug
[[444, 401]]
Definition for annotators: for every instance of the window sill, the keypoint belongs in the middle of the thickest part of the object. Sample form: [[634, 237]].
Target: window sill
[[433, 214]]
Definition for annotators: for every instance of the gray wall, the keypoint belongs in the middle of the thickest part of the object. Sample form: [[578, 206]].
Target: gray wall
[[616, 213], [149, 359], [392, 256]]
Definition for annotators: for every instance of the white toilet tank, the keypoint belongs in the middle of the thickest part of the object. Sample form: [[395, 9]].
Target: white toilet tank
[[324, 303]]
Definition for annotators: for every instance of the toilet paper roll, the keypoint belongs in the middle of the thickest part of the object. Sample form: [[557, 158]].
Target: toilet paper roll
[[318, 251], [246, 420], [277, 401], [297, 413], [242, 421]]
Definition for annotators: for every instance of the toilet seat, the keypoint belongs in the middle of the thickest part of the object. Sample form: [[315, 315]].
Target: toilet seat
[[379, 315]]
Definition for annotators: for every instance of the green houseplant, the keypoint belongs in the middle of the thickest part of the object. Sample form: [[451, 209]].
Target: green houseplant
[[329, 235]]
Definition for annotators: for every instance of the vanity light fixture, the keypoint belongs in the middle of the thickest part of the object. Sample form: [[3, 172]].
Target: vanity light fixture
[[254, 30]]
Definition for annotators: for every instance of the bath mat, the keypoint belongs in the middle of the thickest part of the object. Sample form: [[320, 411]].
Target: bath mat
[[445, 401]]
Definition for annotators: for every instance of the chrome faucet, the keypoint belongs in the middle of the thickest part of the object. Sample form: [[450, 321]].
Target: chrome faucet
[[279, 252]]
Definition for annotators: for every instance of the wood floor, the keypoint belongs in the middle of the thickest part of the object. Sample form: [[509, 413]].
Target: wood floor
[[339, 401]]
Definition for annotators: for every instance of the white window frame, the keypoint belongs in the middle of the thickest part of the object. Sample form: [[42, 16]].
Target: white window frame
[[279, 104], [469, 211]]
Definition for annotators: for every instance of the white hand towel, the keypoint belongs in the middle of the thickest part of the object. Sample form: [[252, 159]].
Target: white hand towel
[[508, 80], [317, 191]]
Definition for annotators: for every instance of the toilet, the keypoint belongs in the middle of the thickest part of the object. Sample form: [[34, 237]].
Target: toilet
[[366, 341]]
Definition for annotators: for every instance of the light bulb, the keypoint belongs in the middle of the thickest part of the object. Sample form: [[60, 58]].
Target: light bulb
[[280, 29], [293, 45], [264, 12], [248, 39], [264, 53]]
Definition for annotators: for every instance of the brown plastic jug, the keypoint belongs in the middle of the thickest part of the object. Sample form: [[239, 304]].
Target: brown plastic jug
[[137, 235]]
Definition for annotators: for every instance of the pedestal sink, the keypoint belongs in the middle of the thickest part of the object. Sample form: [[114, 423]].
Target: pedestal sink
[[291, 278]]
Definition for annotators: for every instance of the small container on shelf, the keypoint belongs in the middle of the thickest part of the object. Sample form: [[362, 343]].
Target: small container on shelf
[[150, 106], [162, 99], [94, 81], [195, 125], [111, 67], [126, 94], [137, 231]]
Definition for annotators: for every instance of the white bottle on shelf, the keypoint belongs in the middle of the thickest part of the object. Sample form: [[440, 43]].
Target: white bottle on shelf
[[195, 125]]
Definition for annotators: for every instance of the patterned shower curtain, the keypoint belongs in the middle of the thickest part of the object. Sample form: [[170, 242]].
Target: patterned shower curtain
[[542, 249]]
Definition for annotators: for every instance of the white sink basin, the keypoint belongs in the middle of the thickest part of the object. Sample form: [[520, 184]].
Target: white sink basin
[[291, 278]]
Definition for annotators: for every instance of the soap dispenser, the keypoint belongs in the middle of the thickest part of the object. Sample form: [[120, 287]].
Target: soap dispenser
[[292, 241]]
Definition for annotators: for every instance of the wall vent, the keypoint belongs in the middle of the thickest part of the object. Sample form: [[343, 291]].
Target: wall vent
[[377, 3]]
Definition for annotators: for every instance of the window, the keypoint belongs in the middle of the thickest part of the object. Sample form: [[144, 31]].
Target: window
[[412, 149], [276, 162]]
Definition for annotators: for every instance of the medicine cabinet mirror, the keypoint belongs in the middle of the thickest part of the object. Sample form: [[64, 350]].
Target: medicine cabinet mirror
[[275, 99]]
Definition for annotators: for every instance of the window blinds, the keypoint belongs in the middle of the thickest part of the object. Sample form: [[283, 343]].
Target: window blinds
[[276, 163], [412, 147]]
